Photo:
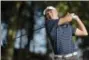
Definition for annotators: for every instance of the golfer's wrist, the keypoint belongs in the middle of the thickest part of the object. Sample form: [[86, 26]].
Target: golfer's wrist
[[77, 19]]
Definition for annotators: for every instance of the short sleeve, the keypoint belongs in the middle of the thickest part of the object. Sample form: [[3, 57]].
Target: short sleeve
[[55, 22], [51, 23]]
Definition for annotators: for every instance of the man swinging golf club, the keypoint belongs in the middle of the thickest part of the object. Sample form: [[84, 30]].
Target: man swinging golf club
[[61, 31]]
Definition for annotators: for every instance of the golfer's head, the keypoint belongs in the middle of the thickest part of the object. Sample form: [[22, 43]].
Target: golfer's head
[[50, 11]]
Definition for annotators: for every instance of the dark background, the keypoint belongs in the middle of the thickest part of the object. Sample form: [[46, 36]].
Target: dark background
[[20, 14]]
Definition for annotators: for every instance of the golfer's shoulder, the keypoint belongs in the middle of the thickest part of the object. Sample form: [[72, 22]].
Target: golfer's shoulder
[[52, 22]]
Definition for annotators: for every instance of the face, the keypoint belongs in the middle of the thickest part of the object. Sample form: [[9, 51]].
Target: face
[[51, 13]]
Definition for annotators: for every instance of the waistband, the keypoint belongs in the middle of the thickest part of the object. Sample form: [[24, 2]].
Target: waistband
[[67, 55]]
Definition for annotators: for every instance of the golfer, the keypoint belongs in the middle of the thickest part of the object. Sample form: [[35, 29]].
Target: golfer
[[61, 32]]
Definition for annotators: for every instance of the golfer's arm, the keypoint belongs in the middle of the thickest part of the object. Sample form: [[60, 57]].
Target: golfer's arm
[[62, 21], [81, 30]]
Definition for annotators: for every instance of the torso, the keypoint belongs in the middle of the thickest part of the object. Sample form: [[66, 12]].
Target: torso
[[62, 38]]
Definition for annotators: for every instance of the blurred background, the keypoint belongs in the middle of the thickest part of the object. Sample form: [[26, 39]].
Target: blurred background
[[23, 28]]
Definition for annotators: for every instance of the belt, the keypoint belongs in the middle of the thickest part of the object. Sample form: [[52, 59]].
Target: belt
[[67, 55]]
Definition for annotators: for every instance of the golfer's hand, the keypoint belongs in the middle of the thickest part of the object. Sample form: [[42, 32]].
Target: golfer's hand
[[76, 17]]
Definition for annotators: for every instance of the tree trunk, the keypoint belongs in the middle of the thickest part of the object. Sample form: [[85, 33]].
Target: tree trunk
[[11, 33]]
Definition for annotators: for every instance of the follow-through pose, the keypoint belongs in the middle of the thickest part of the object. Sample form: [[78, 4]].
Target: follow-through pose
[[61, 31]]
